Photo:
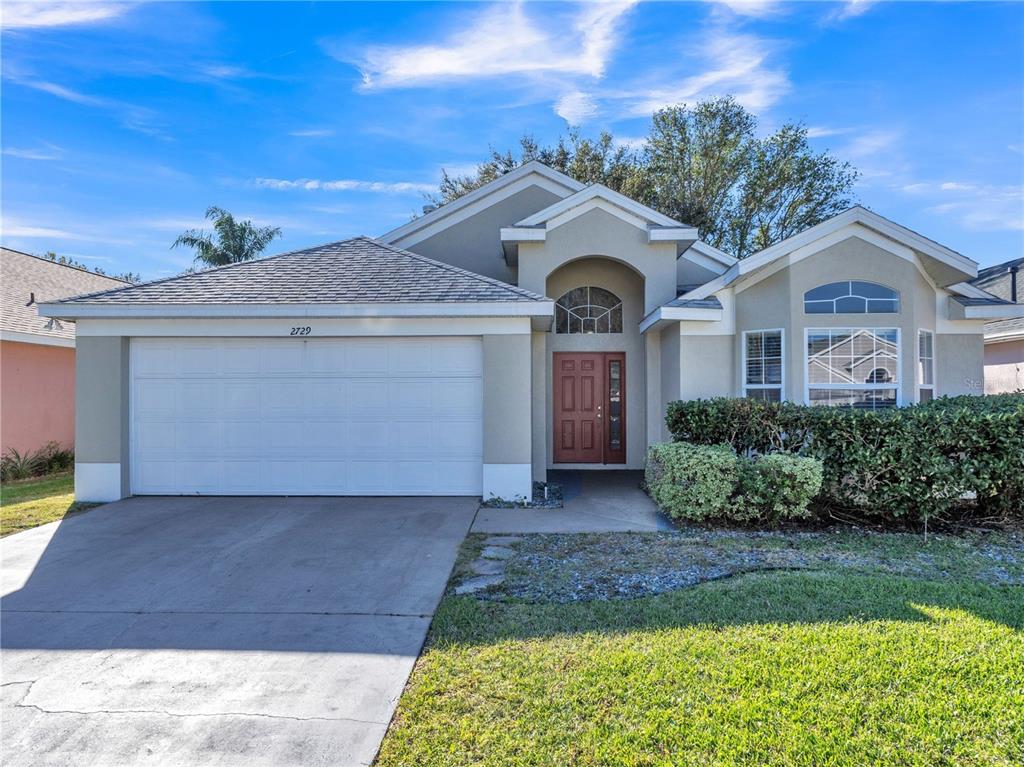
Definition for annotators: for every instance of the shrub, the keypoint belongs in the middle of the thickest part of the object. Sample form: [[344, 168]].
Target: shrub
[[702, 482], [952, 456], [692, 481], [777, 487], [48, 459]]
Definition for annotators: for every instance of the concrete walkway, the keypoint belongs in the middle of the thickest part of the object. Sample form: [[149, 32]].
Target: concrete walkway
[[219, 631], [595, 502]]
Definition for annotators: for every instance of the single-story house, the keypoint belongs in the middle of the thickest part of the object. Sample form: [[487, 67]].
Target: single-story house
[[535, 323], [1004, 339], [37, 355]]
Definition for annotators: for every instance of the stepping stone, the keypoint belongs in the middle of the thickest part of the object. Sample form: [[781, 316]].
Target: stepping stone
[[488, 567], [502, 540], [496, 552], [478, 583]]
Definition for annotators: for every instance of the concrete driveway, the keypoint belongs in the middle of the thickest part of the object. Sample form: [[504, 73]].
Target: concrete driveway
[[219, 631]]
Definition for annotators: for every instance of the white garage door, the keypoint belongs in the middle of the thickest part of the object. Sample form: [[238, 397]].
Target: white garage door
[[324, 416]]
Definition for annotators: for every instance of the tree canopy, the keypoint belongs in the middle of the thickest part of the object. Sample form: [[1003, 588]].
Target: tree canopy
[[705, 166], [232, 241]]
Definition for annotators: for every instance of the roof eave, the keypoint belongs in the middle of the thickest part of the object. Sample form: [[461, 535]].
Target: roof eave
[[521, 308]]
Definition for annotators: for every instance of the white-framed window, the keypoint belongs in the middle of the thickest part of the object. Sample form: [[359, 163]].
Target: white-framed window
[[763, 364], [851, 297], [925, 366], [588, 310], [852, 367]]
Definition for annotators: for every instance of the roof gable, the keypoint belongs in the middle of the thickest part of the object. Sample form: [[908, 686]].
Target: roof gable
[[533, 173], [942, 265], [593, 196]]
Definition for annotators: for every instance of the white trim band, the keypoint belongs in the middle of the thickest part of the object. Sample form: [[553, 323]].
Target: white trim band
[[98, 482]]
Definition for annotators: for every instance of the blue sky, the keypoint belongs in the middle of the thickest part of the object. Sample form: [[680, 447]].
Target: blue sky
[[122, 122]]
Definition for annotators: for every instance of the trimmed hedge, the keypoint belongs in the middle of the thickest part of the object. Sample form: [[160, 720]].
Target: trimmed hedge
[[952, 456], [701, 482]]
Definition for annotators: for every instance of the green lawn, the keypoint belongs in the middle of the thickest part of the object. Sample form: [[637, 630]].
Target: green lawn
[[29, 503], [818, 667]]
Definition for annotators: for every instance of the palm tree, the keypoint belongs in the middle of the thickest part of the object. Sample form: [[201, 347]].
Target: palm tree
[[232, 241]]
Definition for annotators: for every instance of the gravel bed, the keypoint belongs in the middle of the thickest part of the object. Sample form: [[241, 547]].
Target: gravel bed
[[571, 568], [551, 500]]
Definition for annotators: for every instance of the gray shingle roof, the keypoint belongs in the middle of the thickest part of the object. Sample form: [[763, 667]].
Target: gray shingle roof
[[1000, 327], [360, 270], [711, 302], [23, 276], [973, 301]]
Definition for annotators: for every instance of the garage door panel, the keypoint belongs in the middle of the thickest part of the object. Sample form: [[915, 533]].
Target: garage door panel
[[306, 416], [367, 358]]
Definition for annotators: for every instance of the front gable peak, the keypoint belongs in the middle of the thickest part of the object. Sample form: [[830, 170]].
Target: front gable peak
[[658, 226]]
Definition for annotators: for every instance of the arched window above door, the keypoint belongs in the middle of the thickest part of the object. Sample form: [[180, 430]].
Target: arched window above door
[[588, 310]]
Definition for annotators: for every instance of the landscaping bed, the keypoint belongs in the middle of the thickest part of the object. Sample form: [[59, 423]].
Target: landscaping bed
[[723, 647]]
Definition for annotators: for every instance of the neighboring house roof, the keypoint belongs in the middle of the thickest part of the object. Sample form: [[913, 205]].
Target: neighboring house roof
[[531, 173], [1004, 330], [349, 273], [999, 279], [30, 280]]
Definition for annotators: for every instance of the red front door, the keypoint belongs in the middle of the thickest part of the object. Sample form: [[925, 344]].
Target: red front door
[[589, 407]]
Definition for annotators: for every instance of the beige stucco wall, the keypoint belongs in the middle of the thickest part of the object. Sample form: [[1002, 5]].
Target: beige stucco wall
[[1004, 366], [777, 302], [706, 367], [629, 287], [507, 398], [959, 364], [475, 243], [670, 367], [598, 233], [101, 402]]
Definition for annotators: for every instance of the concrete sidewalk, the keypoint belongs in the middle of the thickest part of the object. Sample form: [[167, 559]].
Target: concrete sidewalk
[[595, 502]]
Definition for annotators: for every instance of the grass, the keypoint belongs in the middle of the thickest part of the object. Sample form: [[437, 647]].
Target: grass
[[822, 667], [28, 503]]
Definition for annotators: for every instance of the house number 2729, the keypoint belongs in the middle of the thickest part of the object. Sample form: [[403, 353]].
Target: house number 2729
[[304, 331]]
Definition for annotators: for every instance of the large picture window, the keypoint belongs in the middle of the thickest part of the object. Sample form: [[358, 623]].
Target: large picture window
[[851, 297], [853, 367], [762, 365], [588, 310]]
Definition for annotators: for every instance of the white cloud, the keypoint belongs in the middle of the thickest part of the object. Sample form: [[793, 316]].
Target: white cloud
[[574, 107], [979, 207], [344, 185], [732, 64], [132, 117], [48, 14], [850, 9], [502, 40], [312, 132], [49, 152], [14, 227], [633, 143], [869, 145], [755, 8], [820, 131]]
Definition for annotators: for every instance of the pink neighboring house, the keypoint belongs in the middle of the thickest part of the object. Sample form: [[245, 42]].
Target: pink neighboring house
[[37, 355]]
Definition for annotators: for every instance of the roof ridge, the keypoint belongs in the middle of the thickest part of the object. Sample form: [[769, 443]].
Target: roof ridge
[[458, 270]]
